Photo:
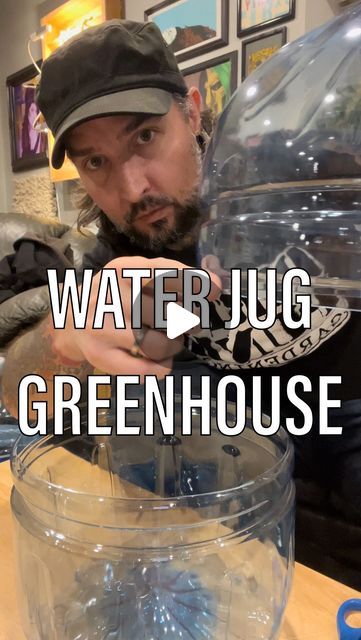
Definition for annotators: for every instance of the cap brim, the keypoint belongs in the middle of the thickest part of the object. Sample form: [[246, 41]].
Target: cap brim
[[148, 100]]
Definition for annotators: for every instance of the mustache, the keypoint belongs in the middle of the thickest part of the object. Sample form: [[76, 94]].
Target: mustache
[[148, 203]]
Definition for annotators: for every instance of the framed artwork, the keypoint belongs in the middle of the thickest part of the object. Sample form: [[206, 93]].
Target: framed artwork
[[258, 49], [254, 15], [216, 80], [191, 27], [28, 146]]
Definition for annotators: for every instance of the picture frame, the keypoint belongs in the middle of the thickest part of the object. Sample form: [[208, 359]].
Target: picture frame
[[192, 28], [216, 79], [256, 15], [28, 147], [259, 48]]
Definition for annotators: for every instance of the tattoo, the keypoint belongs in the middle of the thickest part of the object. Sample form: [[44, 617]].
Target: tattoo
[[33, 353]]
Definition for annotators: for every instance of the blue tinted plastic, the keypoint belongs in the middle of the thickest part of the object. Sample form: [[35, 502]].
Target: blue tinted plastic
[[140, 537]]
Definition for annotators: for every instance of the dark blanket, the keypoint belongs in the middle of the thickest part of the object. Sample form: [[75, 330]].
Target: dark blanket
[[27, 267]]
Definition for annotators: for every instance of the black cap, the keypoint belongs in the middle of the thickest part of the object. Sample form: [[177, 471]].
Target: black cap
[[120, 66]]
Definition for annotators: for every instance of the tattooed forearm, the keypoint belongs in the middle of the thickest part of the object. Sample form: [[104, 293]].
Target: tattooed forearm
[[33, 353]]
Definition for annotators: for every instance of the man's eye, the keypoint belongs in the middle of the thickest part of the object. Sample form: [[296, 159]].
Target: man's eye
[[94, 163], [145, 136]]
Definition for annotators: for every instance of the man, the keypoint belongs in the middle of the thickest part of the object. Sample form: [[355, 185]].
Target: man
[[118, 106]]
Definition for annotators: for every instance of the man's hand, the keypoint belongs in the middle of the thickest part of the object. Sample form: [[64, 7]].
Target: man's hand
[[108, 349]]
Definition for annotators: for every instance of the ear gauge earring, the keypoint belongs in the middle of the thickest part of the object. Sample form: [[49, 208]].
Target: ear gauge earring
[[202, 140]]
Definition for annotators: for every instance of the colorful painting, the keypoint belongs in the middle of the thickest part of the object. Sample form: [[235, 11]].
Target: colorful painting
[[257, 50], [191, 28], [258, 14], [28, 144], [216, 81]]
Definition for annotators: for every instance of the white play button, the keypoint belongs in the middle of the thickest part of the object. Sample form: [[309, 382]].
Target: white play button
[[179, 320]]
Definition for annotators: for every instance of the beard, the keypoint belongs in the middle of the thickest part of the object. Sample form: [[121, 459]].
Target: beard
[[162, 234]]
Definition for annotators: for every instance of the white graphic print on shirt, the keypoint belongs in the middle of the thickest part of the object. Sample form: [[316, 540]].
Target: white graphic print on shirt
[[249, 348]]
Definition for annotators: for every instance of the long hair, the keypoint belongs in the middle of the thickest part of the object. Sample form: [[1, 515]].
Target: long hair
[[89, 212]]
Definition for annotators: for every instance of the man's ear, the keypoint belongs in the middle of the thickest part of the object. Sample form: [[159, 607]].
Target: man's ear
[[195, 106]]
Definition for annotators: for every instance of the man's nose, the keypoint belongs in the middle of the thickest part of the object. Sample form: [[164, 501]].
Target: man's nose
[[132, 180]]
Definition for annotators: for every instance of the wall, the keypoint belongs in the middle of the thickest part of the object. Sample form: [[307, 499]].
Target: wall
[[3, 141], [17, 22], [19, 18], [319, 12]]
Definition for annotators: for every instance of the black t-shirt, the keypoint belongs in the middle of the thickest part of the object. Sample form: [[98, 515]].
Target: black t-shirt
[[331, 347]]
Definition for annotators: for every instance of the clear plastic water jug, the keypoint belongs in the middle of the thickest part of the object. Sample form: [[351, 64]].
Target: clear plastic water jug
[[282, 182], [154, 537]]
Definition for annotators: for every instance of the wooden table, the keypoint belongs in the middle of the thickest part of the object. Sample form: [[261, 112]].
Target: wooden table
[[310, 615]]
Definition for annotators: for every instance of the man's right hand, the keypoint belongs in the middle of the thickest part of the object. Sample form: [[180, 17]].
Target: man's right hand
[[108, 349]]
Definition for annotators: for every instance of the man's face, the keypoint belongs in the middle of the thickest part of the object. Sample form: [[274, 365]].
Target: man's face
[[142, 172]]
